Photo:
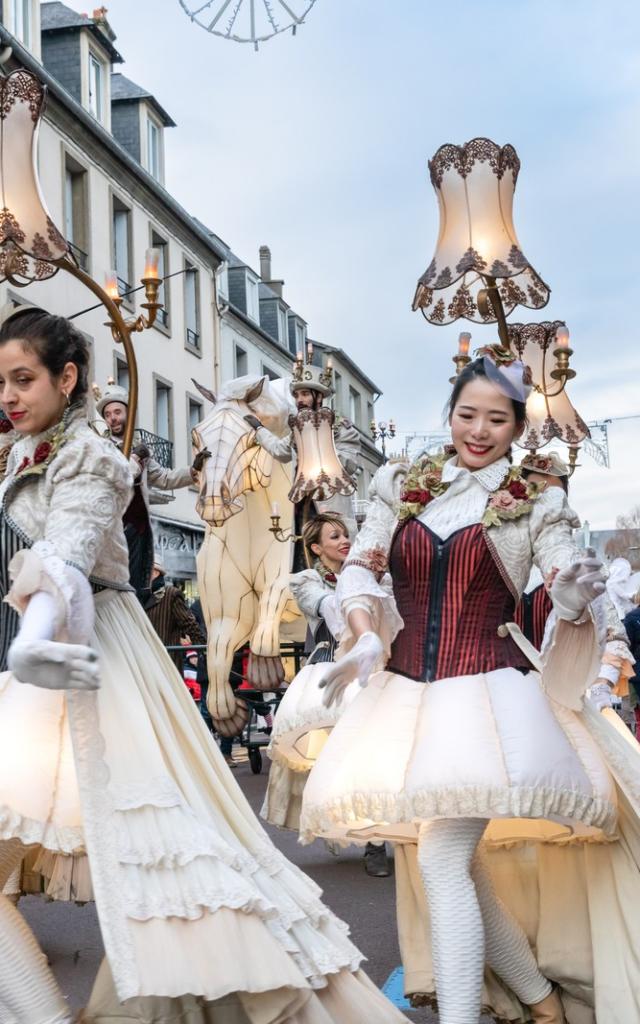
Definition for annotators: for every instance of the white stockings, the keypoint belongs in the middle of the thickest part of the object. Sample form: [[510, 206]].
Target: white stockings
[[469, 924], [29, 993]]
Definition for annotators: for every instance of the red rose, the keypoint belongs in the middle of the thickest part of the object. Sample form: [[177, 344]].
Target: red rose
[[42, 452], [417, 497], [518, 490], [5, 426], [23, 465], [331, 577]]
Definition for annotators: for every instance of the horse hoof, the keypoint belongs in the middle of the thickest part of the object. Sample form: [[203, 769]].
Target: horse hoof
[[236, 722], [264, 672]]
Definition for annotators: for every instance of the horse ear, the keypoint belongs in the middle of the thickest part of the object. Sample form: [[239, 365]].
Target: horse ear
[[255, 391], [205, 392]]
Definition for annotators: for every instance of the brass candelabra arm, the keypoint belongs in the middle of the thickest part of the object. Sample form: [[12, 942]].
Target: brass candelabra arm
[[282, 535], [460, 362], [490, 304], [563, 371]]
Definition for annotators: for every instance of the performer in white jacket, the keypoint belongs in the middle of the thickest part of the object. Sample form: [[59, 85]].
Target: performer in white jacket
[[105, 760], [460, 730]]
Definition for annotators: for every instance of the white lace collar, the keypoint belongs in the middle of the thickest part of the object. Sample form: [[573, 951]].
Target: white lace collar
[[490, 477]]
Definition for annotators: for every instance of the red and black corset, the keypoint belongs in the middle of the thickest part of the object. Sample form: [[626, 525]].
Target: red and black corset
[[452, 598], [532, 614]]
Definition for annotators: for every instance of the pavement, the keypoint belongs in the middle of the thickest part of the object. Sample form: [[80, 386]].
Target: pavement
[[70, 935]]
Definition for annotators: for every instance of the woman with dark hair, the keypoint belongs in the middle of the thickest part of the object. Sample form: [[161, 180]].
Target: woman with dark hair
[[454, 736], [106, 764]]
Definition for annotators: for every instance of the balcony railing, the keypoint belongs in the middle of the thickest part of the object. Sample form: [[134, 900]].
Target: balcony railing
[[81, 256], [193, 338], [160, 448]]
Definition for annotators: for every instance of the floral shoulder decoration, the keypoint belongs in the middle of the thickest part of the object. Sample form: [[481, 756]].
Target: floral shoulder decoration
[[422, 484], [45, 452], [514, 497]]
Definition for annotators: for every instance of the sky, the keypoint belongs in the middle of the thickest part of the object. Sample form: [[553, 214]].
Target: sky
[[317, 145]]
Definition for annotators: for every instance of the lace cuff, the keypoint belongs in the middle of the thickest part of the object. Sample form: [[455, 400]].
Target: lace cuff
[[40, 569], [358, 588]]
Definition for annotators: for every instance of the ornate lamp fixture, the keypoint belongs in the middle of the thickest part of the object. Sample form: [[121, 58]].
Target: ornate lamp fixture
[[383, 431], [544, 347], [319, 472], [479, 271], [31, 246]]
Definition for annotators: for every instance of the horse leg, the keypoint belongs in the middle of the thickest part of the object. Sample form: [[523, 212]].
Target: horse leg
[[265, 670]]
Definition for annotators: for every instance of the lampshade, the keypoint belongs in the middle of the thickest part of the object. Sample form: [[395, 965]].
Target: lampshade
[[548, 418], [474, 184], [28, 236], [319, 472]]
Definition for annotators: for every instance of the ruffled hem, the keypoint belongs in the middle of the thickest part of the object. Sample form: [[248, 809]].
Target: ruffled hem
[[54, 837], [374, 811]]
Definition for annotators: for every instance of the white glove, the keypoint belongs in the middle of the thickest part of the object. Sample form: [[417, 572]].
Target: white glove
[[37, 659], [357, 664], [600, 695], [576, 586], [54, 666]]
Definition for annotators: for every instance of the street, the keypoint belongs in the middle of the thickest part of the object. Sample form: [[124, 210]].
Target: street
[[71, 939]]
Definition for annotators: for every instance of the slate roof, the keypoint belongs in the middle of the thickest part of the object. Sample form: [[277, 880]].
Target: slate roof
[[123, 90], [57, 17]]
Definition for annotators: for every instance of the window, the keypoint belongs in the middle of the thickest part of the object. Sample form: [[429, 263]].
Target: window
[[160, 243], [76, 210], [121, 233], [194, 414], [21, 21], [282, 327], [163, 410], [300, 337], [253, 306], [354, 406], [369, 415], [241, 362], [96, 87], [191, 305], [271, 374], [122, 373], [222, 282], [337, 383], [154, 149]]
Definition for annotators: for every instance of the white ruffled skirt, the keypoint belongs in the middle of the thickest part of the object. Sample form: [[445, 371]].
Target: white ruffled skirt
[[491, 746], [180, 868]]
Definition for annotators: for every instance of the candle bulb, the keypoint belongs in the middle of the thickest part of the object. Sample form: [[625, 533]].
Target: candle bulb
[[329, 363], [464, 342], [562, 337], [111, 285], [309, 351], [275, 510], [151, 263]]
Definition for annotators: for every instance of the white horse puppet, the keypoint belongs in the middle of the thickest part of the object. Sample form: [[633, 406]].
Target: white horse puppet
[[242, 569]]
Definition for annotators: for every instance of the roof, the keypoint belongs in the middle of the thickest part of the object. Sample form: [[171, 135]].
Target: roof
[[348, 361], [56, 91], [123, 90], [57, 17]]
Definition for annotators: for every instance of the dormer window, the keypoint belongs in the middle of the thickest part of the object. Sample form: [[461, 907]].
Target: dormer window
[[22, 21], [154, 149], [253, 301], [97, 72], [282, 327]]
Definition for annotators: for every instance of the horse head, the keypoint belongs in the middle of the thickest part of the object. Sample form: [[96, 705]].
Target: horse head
[[237, 463]]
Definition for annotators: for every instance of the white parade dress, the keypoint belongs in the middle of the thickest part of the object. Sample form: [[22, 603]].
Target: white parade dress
[[202, 918], [559, 782]]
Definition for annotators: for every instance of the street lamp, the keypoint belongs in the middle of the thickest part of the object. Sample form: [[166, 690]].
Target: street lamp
[[31, 246], [382, 430]]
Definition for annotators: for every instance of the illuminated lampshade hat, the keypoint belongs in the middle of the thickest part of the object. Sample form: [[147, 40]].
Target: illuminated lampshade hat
[[477, 243], [29, 239], [313, 378]]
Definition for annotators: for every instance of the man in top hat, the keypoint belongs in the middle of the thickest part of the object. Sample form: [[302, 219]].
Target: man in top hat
[[113, 406], [309, 387]]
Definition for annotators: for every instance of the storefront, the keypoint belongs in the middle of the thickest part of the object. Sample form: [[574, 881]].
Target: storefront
[[176, 546]]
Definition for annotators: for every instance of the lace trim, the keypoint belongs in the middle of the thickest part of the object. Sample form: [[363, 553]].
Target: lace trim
[[101, 839], [29, 830], [158, 792], [461, 802]]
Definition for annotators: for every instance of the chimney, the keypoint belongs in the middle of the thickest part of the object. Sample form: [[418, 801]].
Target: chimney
[[265, 271], [265, 263]]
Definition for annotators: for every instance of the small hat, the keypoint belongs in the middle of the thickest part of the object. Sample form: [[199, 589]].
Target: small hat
[[548, 465], [112, 393], [506, 371]]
